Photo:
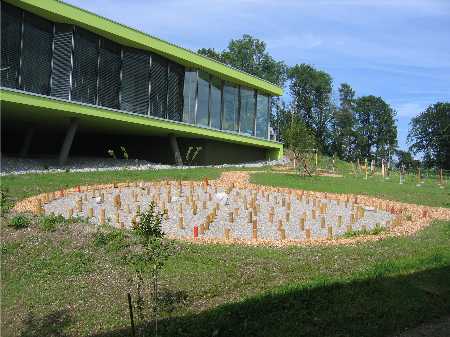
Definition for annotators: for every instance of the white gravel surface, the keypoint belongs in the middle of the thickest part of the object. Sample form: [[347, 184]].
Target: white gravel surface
[[226, 201], [14, 166]]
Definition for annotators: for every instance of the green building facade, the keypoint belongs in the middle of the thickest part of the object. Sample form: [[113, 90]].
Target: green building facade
[[76, 83]]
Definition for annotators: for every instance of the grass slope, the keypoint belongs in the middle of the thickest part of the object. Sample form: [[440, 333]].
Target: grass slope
[[429, 193], [71, 280]]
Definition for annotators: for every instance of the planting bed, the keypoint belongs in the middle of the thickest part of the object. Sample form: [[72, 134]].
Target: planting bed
[[212, 211]]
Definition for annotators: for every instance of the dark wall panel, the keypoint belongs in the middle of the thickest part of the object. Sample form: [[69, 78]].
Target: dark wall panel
[[85, 67], [135, 81], [175, 93], [158, 92], [62, 61], [11, 28], [109, 74], [36, 54]]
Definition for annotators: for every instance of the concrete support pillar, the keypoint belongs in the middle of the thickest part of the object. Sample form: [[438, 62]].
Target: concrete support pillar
[[68, 140], [25, 149], [176, 150]]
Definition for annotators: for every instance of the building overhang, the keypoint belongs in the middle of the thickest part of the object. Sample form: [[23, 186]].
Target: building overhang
[[33, 108], [65, 13]]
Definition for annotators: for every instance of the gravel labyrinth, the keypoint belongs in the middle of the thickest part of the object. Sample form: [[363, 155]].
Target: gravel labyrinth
[[231, 209], [210, 211]]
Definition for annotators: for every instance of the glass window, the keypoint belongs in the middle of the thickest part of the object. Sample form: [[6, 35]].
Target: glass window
[[202, 99], [189, 92], [135, 81], [230, 107], [262, 111], [247, 113], [215, 104]]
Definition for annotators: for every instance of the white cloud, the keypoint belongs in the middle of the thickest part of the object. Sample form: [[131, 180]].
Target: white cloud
[[409, 109]]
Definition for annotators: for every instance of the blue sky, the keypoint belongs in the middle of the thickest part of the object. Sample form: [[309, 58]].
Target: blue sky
[[399, 50]]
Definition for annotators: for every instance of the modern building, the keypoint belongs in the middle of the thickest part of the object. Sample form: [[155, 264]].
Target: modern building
[[75, 83]]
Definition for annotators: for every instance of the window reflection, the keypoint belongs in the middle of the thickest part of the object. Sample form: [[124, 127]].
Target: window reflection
[[262, 111], [202, 99], [247, 113], [230, 107], [189, 92], [215, 102]]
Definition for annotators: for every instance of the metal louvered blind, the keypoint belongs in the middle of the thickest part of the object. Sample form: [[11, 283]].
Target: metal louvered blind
[[135, 81], [175, 92], [36, 54], [109, 74], [62, 61], [84, 77], [158, 93], [11, 28]]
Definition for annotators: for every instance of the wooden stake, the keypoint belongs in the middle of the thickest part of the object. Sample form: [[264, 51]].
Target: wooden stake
[[227, 234], [339, 222], [282, 233], [102, 216], [90, 212], [302, 224], [330, 233], [322, 222]]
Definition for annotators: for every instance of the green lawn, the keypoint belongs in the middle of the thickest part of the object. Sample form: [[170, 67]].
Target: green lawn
[[69, 283], [428, 194]]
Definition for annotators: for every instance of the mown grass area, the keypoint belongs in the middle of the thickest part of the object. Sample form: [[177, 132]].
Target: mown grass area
[[71, 279], [21, 186], [429, 193]]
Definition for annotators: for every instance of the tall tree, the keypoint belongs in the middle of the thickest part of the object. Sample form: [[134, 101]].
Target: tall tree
[[343, 122], [310, 90], [376, 132], [249, 54], [429, 134]]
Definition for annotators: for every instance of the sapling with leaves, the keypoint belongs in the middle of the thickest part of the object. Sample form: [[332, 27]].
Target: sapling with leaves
[[300, 140], [151, 253]]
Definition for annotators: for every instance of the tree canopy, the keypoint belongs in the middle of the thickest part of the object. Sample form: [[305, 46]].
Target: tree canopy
[[429, 135], [249, 54]]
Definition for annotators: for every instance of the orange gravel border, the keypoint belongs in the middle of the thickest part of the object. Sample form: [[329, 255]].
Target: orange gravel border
[[409, 218]]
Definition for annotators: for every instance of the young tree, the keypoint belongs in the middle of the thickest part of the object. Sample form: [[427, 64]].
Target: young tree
[[301, 141], [429, 134], [311, 95], [376, 132], [343, 123]]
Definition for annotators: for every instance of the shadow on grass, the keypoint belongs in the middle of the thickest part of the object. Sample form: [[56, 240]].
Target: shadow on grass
[[380, 306], [51, 325]]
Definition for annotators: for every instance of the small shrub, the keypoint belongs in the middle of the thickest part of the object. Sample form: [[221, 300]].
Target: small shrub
[[375, 231], [113, 240], [149, 224], [124, 152], [20, 221], [50, 223], [5, 203]]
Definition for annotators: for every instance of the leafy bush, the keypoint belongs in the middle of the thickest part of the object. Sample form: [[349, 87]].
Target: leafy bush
[[20, 221], [113, 240], [149, 224], [375, 231], [5, 203], [50, 223]]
